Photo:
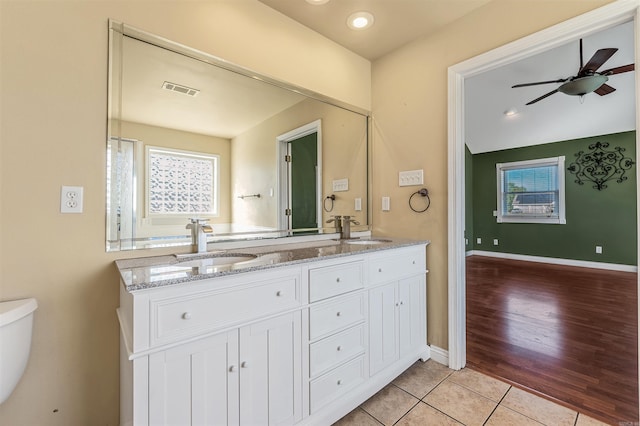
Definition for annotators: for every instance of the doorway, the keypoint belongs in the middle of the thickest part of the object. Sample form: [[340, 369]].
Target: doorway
[[595, 21], [300, 178]]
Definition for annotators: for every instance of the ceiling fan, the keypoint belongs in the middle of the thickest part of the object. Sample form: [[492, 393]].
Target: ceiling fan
[[588, 78]]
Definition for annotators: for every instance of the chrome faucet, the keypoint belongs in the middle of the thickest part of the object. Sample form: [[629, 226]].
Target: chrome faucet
[[338, 224], [199, 231], [345, 233]]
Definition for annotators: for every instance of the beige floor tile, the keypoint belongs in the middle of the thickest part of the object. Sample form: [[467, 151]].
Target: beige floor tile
[[539, 409], [357, 417], [422, 415], [460, 403], [584, 420], [421, 377], [503, 416], [484, 385], [388, 405]]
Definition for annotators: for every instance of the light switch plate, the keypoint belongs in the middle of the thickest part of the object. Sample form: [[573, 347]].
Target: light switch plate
[[71, 199], [358, 204], [340, 185], [411, 177], [386, 204]]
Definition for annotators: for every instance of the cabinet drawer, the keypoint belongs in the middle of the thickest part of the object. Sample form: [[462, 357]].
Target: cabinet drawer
[[330, 317], [336, 383], [183, 316], [396, 265], [329, 352], [334, 280]]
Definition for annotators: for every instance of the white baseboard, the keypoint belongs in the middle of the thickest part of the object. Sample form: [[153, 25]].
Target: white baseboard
[[556, 261], [440, 355]]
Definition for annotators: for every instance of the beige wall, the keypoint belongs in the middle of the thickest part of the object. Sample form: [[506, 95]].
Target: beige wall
[[409, 90], [53, 59], [344, 155]]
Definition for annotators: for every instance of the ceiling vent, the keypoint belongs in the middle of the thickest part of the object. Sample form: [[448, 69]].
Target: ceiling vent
[[180, 88]]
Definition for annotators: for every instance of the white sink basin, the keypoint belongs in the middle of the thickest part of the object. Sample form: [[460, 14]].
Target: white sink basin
[[368, 242], [218, 260]]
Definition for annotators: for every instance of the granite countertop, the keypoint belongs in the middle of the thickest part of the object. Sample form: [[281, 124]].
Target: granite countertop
[[157, 271]]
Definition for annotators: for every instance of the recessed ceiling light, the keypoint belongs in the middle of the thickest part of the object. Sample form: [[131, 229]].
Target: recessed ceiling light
[[317, 2], [360, 20], [511, 112]]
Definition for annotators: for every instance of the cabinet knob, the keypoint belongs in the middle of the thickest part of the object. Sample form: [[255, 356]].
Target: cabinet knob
[[397, 304], [414, 262], [279, 293], [244, 364], [339, 382], [339, 348], [186, 315], [402, 302], [379, 269], [338, 279], [232, 368], [338, 313]]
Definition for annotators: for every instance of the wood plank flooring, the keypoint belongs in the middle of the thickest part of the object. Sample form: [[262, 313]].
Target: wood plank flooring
[[567, 333]]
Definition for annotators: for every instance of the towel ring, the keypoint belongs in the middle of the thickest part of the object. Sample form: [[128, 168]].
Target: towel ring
[[424, 193]]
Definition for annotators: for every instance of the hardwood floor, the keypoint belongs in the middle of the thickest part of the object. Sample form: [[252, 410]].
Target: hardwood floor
[[565, 332]]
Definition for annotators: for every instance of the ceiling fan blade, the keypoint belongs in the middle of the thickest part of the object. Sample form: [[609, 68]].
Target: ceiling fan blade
[[542, 97], [562, 80], [605, 89], [596, 61], [619, 70]]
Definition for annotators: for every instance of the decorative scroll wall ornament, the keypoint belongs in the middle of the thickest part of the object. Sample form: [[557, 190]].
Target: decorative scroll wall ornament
[[599, 165]]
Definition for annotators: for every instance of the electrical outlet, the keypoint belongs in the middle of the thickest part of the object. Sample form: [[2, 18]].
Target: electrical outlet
[[340, 185], [71, 199], [495, 241], [411, 177], [358, 204], [386, 204], [466, 241], [598, 249], [478, 240]]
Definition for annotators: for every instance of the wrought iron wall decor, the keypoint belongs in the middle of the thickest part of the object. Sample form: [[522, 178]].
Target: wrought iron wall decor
[[600, 165]]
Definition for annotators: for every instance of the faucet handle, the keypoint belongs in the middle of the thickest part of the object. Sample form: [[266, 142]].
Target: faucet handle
[[335, 219]]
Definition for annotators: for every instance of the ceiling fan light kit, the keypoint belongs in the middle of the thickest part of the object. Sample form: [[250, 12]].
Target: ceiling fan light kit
[[588, 78]]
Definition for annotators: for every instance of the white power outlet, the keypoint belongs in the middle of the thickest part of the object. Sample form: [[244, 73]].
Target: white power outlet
[[495, 241], [478, 240], [358, 204], [598, 249], [71, 199], [386, 204]]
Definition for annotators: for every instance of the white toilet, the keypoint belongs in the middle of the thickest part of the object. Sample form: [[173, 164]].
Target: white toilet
[[16, 322]]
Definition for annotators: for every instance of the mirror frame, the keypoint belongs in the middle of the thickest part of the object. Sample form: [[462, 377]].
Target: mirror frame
[[117, 32]]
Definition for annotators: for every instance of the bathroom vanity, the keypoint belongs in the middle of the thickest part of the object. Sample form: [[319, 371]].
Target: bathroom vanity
[[284, 334]]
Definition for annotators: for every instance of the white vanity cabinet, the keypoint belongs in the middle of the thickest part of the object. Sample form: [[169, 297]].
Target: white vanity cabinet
[[397, 306], [302, 343]]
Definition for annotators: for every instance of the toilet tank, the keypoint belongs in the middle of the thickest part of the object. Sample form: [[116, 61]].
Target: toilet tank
[[16, 323]]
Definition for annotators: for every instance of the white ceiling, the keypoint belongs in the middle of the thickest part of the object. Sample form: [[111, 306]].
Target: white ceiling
[[227, 105], [558, 117], [396, 22]]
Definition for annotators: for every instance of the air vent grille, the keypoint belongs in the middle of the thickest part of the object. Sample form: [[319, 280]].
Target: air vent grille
[[180, 88]]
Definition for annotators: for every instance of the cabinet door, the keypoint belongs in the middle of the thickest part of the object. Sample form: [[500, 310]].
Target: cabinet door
[[412, 302], [271, 371], [195, 383], [383, 326]]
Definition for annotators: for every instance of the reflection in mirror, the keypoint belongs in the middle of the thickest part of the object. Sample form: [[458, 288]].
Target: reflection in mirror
[[193, 136]]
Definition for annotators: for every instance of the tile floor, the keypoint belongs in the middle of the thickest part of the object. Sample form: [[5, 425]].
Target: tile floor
[[431, 394]]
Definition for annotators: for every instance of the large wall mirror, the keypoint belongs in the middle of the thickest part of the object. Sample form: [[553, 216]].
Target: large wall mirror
[[191, 136]]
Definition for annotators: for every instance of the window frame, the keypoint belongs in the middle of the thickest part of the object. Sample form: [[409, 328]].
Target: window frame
[[558, 162], [215, 185]]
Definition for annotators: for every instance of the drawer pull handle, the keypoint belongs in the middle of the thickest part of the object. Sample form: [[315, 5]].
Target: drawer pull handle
[[338, 313], [232, 368], [186, 315], [338, 279], [339, 348], [339, 382], [279, 293], [244, 364]]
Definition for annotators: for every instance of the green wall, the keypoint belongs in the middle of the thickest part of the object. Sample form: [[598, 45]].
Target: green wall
[[606, 218]]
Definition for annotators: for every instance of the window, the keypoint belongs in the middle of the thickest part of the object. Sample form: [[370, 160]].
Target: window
[[181, 182], [531, 191]]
